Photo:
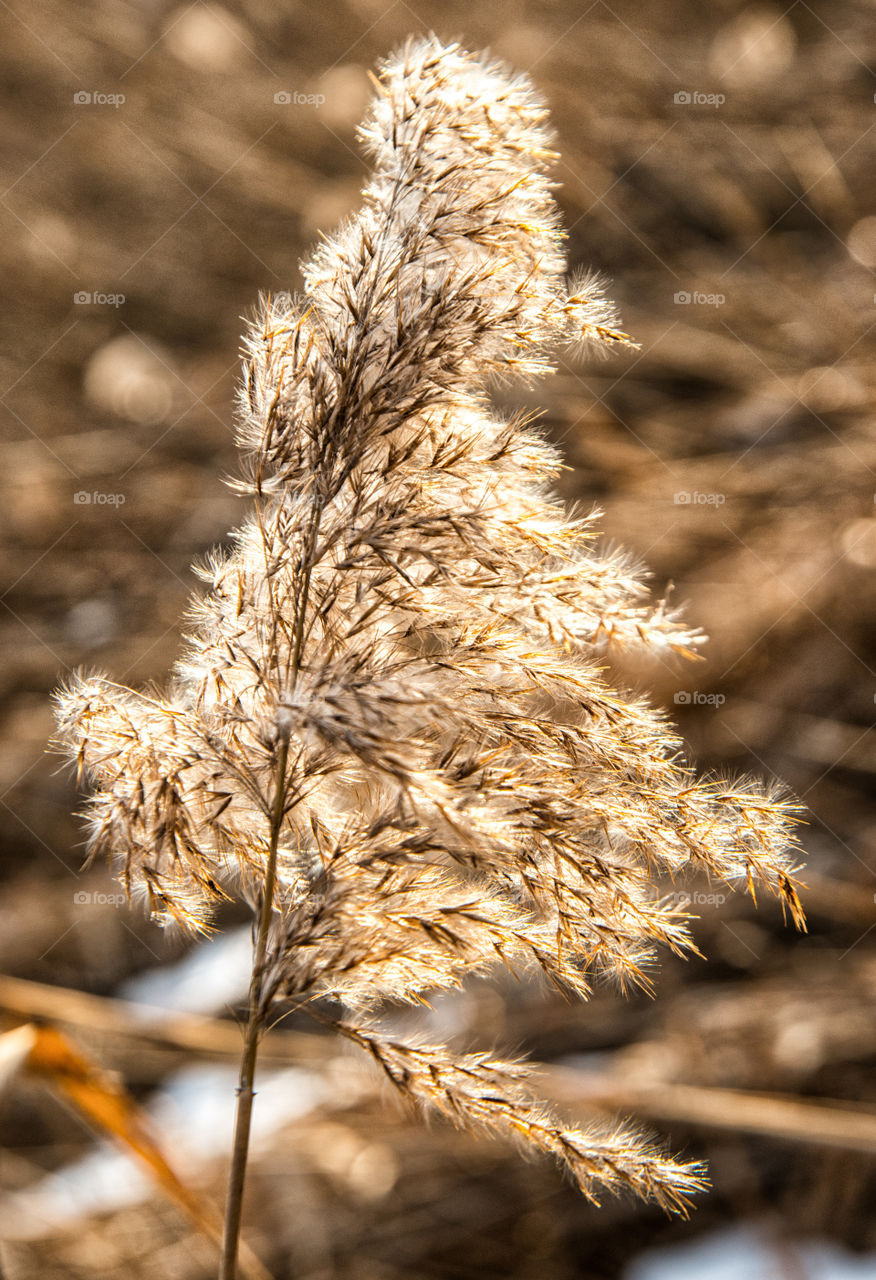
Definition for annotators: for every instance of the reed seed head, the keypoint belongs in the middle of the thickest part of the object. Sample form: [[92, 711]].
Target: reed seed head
[[412, 628]]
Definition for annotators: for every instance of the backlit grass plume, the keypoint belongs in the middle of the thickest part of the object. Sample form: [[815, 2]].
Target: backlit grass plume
[[390, 731]]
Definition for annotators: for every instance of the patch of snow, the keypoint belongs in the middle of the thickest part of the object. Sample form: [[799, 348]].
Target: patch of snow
[[193, 1116], [209, 977], [748, 1253]]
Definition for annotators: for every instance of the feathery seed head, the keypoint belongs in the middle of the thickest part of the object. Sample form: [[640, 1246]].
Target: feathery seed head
[[394, 679]]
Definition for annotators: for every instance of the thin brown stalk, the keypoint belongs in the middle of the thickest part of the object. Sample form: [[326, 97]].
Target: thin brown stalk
[[190, 1033], [254, 1029], [826, 1122], [256, 1019]]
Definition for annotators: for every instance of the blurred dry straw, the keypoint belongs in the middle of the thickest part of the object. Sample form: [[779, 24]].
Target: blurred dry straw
[[48, 1055], [390, 732]]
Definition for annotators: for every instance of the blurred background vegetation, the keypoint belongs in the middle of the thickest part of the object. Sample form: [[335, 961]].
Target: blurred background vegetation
[[162, 165]]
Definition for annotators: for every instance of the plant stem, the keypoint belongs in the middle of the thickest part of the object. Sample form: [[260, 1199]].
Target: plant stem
[[256, 1020], [254, 1028]]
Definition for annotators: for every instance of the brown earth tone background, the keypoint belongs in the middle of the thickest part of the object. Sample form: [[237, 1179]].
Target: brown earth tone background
[[717, 166]]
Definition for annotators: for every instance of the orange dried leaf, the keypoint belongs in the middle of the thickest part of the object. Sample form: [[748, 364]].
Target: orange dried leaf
[[102, 1099]]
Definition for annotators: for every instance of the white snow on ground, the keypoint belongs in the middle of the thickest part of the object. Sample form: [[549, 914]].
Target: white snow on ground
[[209, 977], [193, 1111], [194, 1114], [748, 1253]]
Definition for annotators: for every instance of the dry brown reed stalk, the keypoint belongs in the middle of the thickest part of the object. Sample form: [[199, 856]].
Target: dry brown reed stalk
[[391, 732]]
